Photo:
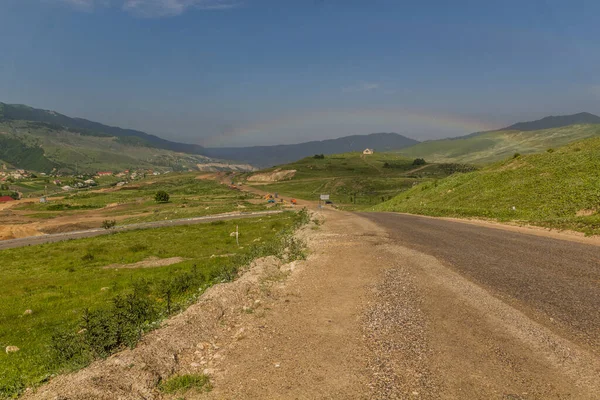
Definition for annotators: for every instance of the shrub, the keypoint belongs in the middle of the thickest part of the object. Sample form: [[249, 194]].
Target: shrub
[[419, 161], [319, 156], [517, 155], [109, 224], [161, 197]]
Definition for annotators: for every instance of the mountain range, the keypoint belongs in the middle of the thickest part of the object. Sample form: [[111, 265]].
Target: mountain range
[[43, 140]]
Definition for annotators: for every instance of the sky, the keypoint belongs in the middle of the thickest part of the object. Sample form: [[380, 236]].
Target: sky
[[256, 72]]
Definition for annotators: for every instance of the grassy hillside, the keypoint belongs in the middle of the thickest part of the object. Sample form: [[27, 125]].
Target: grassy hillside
[[560, 188], [497, 145], [42, 147], [351, 178]]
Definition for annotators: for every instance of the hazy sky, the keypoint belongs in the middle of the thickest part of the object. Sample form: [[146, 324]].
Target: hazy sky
[[241, 72]]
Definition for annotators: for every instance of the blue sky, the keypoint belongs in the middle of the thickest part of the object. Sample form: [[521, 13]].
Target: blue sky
[[245, 72]]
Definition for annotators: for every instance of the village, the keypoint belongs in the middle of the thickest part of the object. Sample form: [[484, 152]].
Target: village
[[16, 184]]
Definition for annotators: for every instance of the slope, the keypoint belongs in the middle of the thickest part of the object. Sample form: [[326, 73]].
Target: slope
[[349, 178], [266, 156], [90, 128], [556, 188], [43, 147], [493, 146]]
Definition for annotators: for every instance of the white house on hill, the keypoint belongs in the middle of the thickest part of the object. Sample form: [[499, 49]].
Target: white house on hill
[[368, 151]]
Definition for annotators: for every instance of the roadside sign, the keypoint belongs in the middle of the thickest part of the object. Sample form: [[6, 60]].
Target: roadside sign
[[324, 197]]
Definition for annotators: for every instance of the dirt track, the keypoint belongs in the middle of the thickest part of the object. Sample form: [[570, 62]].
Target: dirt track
[[371, 314]]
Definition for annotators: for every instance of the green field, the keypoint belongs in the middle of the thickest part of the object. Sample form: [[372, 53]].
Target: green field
[[189, 197], [57, 282], [557, 188], [498, 145], [351, 178]]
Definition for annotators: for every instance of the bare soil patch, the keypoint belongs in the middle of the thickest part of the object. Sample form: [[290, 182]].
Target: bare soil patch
[[150, 262]]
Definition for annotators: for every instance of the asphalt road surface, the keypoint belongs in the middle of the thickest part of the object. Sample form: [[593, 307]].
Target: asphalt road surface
[[554, 282], [58, 237]]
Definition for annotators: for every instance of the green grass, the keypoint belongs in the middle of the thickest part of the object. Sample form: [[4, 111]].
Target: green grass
[[498, 145], [184, 383], [42, 147], [189, 197], [547, 189], [351, 178], [58, 281]]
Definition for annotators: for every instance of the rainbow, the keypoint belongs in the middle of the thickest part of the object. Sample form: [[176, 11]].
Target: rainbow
[[393, 117]]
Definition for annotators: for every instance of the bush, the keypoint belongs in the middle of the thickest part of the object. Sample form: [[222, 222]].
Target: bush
[[319, 156], [109, 224], [419, 161], [161, 197], [517, 155]]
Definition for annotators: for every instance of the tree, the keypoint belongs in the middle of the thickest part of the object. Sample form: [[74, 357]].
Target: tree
[[161, 197], [319, 156], [419, 161]]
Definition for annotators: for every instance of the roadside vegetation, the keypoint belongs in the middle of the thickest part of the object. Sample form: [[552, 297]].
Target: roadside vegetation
[[353, 180], [65, 304], [558, 188]]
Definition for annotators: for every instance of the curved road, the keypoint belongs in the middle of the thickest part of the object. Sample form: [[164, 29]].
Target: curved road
[[555, 282]]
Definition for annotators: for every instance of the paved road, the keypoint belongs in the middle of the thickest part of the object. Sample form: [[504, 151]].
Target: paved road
[[58, 237], [554, 282]]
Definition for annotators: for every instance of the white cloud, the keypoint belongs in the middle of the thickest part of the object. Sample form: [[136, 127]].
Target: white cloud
[[154, 8], [362, 87]]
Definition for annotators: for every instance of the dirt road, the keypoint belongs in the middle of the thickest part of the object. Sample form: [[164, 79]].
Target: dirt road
[[385, 307], [59, 237]]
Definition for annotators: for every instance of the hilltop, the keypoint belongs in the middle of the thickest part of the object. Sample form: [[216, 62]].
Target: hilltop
[[349, 178], [266, 156], [557, 188]]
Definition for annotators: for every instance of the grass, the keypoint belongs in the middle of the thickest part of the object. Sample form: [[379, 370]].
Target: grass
[[184, 383], [59, 281], [351, 178], [558, 189], [498, 145], [189, 197]]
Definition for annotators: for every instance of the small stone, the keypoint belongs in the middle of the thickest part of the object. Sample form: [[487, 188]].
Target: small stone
[[82, 331], [28, 312], [12, 349], [208, 371], [277, 365], [104, 289], [194, 365]]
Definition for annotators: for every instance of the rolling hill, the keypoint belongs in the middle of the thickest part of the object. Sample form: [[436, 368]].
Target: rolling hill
[[487, 147], [558, 188], [67, 141], [266, 156], [349, 178]]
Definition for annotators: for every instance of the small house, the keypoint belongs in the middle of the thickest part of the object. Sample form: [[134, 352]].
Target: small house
[[368, 151]]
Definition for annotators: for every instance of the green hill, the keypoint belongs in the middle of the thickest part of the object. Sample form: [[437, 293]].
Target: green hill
[[349, 178], [40, 146], [487, 147], [558, 188]]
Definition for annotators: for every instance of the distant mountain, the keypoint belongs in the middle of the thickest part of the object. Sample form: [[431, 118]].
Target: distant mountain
[[83, 126], [266, 156], [555, 122]]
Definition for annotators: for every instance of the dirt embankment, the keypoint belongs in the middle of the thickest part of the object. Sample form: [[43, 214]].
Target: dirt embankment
[[275, 176]]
